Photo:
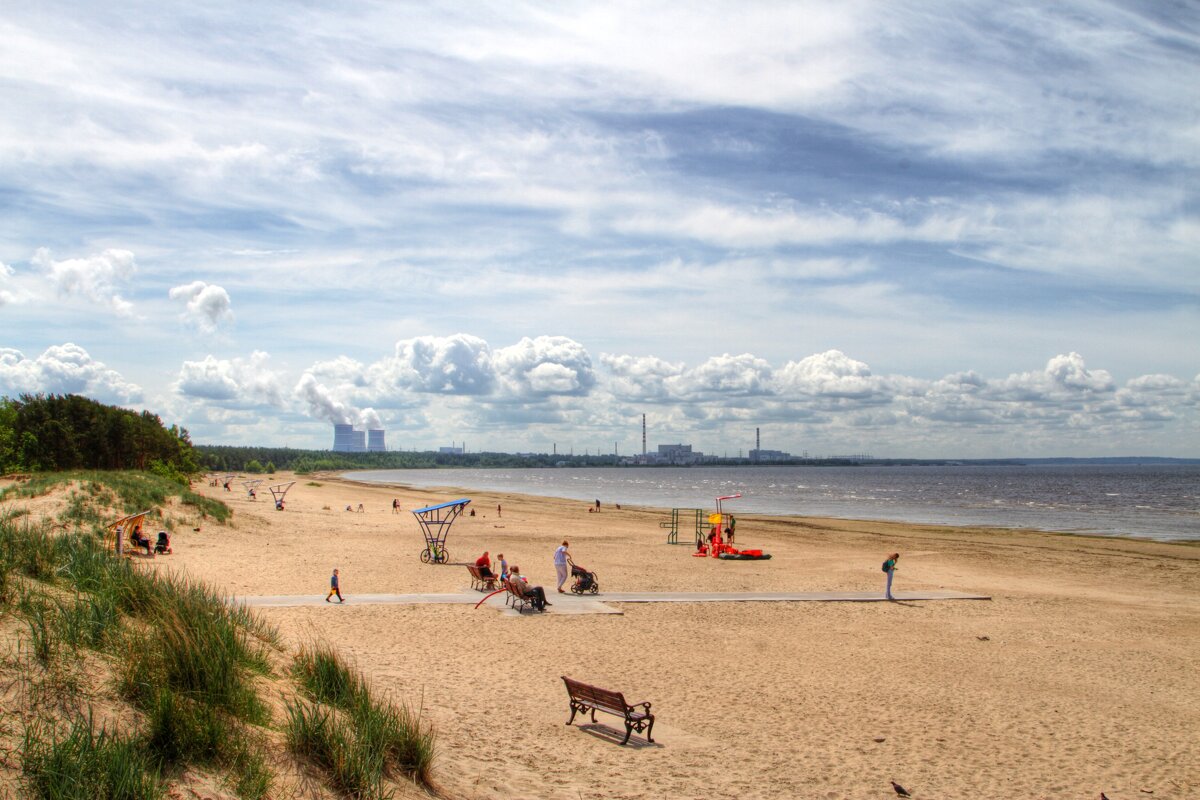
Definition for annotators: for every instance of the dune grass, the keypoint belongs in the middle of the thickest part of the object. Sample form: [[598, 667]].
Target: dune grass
[[191, 662], [357, 738], [85, 763], [129, 491]]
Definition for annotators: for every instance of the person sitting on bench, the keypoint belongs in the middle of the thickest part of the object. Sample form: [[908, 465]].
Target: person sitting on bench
[[484, 562], [163, 545], [536, 592], [139, 539]]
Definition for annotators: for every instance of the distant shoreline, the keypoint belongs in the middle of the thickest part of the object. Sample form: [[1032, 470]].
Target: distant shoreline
[[346, 477]]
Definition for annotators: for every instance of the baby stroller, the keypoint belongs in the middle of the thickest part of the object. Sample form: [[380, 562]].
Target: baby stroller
[[584, 581]]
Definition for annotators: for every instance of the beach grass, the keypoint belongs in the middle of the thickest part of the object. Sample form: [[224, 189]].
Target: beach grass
[[356, 737], [86, 763]]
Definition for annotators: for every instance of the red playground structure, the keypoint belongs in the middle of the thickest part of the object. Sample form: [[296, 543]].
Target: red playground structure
[[719, 543]]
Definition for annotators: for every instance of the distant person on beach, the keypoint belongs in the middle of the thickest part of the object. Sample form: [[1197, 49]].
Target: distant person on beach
[[597, 505], [140, 539], [561, 557], [335, 587], [498, 510], [484, 563], [361, 510], [396, 506], [536, 592], [889, 567], [503, 566]]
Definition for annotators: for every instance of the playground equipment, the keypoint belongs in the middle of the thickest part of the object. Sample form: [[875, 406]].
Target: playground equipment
[[716, 546], [115, 537], [435, 522], [279, 491], [252, 488], [684, 518]]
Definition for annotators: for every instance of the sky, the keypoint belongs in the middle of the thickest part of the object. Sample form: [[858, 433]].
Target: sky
[[908, 229]]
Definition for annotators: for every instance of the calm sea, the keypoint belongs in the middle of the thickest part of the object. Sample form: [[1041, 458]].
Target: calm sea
[[1150, 502]]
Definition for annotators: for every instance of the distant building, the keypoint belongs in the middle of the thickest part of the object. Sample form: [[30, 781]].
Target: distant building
[[769, 455], [451, 451], [676, 454], [348, 440], [375, 443]]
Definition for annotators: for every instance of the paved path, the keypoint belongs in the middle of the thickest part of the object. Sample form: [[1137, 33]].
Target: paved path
[[597, 604]]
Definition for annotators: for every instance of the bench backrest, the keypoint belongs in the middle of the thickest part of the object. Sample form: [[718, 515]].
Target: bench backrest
[[516, 588], [595, 696], [474, 570]]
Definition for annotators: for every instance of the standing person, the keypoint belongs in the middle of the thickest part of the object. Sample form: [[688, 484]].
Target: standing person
[[335, 587], [503, 566], [889, 567], [498, 514], [597, 504], [396, 505], [561, 557]]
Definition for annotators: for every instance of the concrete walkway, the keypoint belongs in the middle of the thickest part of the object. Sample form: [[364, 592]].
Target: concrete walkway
[[597, 603]]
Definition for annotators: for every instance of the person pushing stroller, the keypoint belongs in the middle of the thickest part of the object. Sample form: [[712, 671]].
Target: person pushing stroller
[[584, 580]]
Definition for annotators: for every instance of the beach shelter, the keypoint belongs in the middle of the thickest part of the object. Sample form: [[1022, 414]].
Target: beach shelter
[[435, 522], [115, 533], [279, 491], [252, 488]]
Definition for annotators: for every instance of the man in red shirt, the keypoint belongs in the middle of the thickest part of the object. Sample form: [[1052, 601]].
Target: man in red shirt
[[484, 562]]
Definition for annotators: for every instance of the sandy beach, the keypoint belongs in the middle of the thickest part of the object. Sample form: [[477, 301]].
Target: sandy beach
[[1078, 676]]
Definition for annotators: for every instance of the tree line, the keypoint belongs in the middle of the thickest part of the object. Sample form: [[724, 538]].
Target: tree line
[[54, 432], [233, 458]]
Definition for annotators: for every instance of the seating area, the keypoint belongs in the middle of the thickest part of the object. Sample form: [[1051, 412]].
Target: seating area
[[586, 698], [481, 582], [517, 598]]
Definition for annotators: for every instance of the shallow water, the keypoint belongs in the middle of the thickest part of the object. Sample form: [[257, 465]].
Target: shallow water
[[1149, 502]]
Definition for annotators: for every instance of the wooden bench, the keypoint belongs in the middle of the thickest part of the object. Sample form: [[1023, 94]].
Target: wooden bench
[[479, 581], [585, 698], [521, 601]]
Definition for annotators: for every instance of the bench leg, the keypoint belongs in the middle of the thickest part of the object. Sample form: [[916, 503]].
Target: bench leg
[[628, 732], [649, 731], [574, 709]]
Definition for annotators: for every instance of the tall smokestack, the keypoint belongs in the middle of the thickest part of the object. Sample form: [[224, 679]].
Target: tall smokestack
[[643, 434], [757, 443]]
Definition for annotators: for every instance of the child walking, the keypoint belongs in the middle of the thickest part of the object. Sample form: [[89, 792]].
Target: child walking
[[334, 587]]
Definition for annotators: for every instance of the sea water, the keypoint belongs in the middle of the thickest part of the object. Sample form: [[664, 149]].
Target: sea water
[[1159, 502]]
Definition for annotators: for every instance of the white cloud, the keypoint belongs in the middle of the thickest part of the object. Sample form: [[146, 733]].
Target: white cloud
[[239, 383], [458, 364], [63, 369], [545, 365], [321, 404], [208, 305], [6, 294], [639, 378], [724, 375], [94, 278]]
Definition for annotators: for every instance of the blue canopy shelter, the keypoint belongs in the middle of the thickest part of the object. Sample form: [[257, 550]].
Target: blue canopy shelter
[[435, 522]]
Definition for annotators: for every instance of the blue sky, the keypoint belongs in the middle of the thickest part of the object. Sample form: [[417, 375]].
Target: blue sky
[[910, 229]]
